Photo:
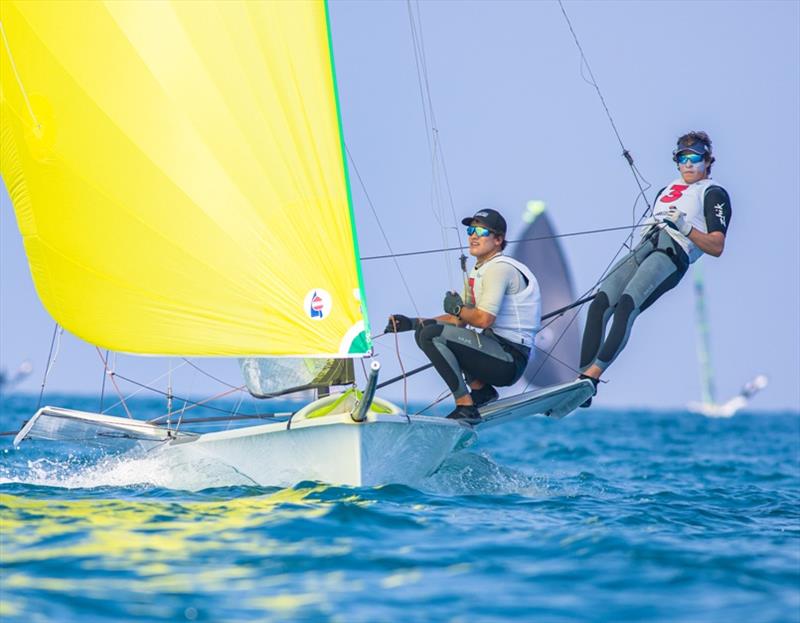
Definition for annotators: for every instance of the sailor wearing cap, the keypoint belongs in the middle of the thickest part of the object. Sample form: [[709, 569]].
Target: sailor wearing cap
[[691, 216], [486, 336]]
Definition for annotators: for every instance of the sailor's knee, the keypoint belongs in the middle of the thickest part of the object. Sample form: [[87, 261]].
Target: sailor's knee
[[599, 306], [425, 333], [625, 307]]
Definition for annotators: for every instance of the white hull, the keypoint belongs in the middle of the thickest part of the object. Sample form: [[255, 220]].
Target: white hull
[[382, 450], [323, 442]]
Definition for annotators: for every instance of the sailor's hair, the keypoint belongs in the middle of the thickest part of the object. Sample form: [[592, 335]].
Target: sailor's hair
[[695, 136]]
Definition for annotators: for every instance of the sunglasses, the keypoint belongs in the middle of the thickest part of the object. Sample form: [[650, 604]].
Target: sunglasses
[[687, 158], [477, 229]]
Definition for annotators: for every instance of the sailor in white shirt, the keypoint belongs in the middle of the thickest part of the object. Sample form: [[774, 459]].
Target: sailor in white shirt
[[486, 336], [691, 216]]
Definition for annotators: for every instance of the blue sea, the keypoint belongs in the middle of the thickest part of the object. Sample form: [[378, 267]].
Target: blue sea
[[603, 516]]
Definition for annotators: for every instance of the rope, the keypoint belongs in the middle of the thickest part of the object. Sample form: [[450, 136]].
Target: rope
[[638, 178], [436, 150], [402, 367], [585, 232], [585, 62]]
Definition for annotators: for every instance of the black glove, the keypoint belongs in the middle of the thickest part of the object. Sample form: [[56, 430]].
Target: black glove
[[453, 303], [401, 323]]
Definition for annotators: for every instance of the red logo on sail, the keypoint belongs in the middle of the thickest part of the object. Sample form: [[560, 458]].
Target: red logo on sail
[[318, 304]]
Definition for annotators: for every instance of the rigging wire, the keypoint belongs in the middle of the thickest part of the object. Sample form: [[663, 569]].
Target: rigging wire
[[208, 374], [380, 227], [50, 359], [103, 387], [436, 150], [638, 178], [111, 375], [593, 82], [111, 372], [552, 316], [114, 375], [642, 184], [551, 237], [201, 403]]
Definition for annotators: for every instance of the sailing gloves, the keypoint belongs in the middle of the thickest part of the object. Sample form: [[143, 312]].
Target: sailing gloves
[[398, 323], [453, 303], [675, 219]]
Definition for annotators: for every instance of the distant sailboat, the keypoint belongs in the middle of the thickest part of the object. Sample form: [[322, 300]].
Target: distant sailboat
[[178, 175], [8, 381], [708, 405], [558, 343]]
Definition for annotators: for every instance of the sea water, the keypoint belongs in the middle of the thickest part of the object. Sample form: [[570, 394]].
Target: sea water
[[628, 515]]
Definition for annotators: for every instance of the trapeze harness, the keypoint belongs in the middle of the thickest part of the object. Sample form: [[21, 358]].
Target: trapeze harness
[[498, 355], [653, 267]]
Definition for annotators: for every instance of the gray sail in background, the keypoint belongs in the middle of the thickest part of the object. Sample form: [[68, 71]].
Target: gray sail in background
[[268, 377], [546, 259]]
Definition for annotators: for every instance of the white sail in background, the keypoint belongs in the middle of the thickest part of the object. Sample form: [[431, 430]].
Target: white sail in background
[[558, 342], [708, 406]]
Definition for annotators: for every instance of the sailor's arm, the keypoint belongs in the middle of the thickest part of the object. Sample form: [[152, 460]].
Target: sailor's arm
[[717, 212], [712, 243], [473, 316], [451, 319], [496, 282], [459, 313]]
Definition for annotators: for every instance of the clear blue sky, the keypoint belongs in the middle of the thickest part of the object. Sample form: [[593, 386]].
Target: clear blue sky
[[517, 122]]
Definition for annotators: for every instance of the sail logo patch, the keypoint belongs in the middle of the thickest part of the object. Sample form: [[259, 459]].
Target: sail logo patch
[[317, 304]]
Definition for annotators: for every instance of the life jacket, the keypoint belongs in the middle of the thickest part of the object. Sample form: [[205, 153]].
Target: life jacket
[[689, 199], [520, 315]]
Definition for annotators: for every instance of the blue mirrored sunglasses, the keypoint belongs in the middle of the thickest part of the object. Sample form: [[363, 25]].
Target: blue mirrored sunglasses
[[687, 158], [477, 229]]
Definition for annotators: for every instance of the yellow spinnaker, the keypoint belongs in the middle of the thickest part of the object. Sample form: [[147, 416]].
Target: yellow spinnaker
[[177, 173]]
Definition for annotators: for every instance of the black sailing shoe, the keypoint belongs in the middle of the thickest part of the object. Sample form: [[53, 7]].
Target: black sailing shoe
[[484, 395], [465, 413], [595, 382]]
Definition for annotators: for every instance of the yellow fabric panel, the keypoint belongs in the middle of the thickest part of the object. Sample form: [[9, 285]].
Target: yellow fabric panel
[[177, 174]]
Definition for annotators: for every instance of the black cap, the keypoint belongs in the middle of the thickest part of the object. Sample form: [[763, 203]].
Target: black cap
[[491, 218]]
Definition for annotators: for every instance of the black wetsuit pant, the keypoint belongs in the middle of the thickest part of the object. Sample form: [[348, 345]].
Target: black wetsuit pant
[[653, 267], [462, 355]]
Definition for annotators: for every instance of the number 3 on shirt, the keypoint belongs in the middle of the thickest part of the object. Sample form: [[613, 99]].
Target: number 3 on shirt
[[675, 193]]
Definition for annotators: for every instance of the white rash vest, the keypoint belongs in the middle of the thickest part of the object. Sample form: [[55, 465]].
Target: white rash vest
[[689, 199], [498, 287]]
